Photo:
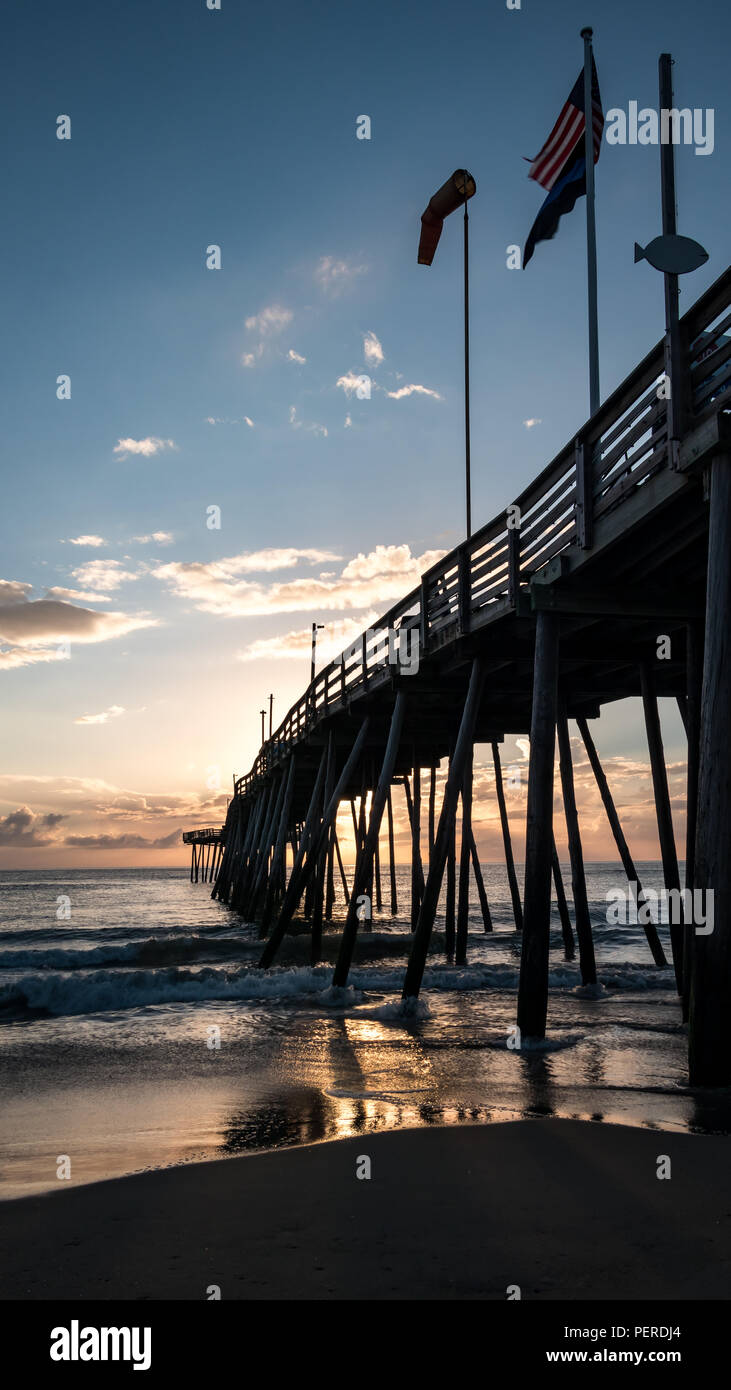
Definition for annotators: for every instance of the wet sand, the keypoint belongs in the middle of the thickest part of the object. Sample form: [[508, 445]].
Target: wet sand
[[562, 1208]]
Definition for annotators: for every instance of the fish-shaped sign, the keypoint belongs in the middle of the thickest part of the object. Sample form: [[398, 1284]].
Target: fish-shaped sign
[[675, 255]]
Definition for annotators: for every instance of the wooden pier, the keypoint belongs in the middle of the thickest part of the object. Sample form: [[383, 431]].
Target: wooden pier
[[609, 576], [206, 849]]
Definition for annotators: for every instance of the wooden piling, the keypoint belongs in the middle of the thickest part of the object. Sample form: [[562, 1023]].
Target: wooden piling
[[295, 887], [563, 907], [330, 877], [432, 800], [465, 855], [339, 857], [280, 846], [391, 859], [533, 986], [587, 962], [507, 842], [477, 868], [709, 1035], [261, 873], [417, 872], [450, 899], [312, 839], [318, 877], [438, 859], [377, 873], [653, 940], [694, 691], [363, 866], [671, 873]]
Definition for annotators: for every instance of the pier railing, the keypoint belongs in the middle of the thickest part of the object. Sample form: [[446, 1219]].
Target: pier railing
[[209, 834], [613, 456]]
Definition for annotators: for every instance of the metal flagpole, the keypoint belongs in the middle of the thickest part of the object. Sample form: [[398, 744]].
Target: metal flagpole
[[468, 489], [669, 227], [590, 224]]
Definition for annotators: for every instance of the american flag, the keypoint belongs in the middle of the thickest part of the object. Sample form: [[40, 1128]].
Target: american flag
[[568, 131]]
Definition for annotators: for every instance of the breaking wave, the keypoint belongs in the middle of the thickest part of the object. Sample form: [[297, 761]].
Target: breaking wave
[[88, 991]]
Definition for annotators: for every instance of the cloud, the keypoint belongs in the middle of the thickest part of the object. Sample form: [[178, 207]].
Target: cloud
[[268, 324], [372, 350], [349, 381], [125, 841], [23, 829], [293, 356], [159, 537], [87, 540], [224, 420], [333, 276], [530, 423], [29, 626], [112, 713], [103, 574], [94, 797], [76, 595], [384, 574], [147, 447], [297, 644], [306, 424], [270, 321], [413, 391], [348, 422]]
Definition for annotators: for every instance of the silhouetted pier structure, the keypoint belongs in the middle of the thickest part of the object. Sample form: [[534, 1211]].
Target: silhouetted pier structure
[[205, 853], [552, 610]]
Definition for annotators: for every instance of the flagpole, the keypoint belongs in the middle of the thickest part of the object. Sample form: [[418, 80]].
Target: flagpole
[[673, 357], [586, 35], [468, 488]]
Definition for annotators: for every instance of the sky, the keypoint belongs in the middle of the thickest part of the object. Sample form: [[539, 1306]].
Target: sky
[[213, 484]]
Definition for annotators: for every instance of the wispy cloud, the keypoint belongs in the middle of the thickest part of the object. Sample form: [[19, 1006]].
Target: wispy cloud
[[384, 574], [268, 323], [103, 574], [404, 391], [297, 644], [147, 447], [349, 382], [76, 595], [293, 356], [113, 712], [372, 350], [306, 424], [159, 537], [530, 423], [224, 420], [93, 541], [333, 275]]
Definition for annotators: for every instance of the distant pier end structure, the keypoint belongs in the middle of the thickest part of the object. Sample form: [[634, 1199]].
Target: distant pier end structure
[[608, 577], [206, 848]]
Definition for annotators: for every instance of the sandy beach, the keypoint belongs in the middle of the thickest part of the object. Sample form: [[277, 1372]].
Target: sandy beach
[[564, 1209]]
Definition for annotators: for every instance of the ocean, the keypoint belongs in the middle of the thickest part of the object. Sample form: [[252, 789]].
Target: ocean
[[137, 1032]]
